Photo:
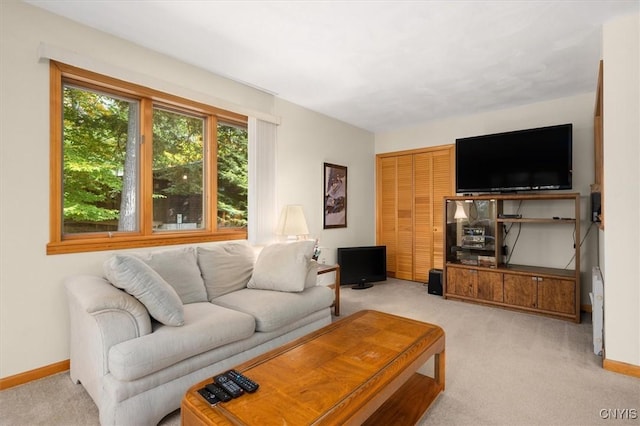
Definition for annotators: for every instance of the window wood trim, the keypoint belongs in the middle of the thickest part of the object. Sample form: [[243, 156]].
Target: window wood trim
[[55, 154], [598, 144], [145, 237]]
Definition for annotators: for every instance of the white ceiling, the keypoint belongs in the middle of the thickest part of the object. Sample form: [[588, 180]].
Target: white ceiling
[[379, 65]]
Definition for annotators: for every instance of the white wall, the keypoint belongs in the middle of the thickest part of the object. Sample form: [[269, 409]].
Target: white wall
[[33, 311], [306, 140], [621, 56], [555, 247]]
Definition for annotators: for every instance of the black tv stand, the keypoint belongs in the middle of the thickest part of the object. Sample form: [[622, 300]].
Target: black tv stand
[[362, 285]]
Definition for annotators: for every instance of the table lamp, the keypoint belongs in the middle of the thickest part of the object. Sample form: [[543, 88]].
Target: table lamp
[[292, 222]]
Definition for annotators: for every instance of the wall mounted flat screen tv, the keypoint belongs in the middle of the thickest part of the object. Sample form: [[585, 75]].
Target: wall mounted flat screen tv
[[537, 159], [362, 265]]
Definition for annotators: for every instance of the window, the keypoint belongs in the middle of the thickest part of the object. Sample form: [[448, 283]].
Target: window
[[232, 175], [178, 170], [135, 167]]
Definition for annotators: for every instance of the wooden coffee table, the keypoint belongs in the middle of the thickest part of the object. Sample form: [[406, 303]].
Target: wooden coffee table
[[361, 369]]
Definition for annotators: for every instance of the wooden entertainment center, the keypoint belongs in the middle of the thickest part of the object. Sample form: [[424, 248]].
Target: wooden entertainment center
[[477, 270]]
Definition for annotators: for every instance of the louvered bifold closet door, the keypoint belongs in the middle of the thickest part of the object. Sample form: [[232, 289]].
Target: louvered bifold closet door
[[410, 191], [442, 179], [387, 209], [404, 248], [423, 213]]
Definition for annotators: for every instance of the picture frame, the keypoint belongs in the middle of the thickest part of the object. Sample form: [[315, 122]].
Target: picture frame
[[335, 196]]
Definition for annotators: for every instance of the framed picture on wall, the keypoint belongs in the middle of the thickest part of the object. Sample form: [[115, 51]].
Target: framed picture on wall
[[335, 196]]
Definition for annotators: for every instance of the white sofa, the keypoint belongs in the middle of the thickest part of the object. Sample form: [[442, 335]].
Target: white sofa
[[186, 314]]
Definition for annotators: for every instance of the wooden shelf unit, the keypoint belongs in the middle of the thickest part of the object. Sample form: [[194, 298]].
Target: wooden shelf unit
[[476, 272]]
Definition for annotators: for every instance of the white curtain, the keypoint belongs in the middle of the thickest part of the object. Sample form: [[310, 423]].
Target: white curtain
[[262, 182]]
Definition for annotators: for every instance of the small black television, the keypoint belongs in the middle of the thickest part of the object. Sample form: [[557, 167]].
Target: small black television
[[524, 160], [362, 265]]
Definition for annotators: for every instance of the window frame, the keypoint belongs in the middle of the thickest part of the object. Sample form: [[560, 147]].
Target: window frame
[[60, 243]]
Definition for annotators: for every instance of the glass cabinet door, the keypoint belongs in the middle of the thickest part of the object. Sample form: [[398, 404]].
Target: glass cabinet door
[[471, 232]]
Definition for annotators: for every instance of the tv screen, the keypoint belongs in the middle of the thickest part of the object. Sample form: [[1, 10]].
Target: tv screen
[[524, 160], [359, 265]]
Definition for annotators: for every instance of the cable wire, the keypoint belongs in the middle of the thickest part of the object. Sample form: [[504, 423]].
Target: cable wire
[[581, 242]]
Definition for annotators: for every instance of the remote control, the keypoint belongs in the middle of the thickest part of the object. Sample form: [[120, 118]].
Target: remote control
[[242, 380], [219, 393], [231, 387], [208, 396]]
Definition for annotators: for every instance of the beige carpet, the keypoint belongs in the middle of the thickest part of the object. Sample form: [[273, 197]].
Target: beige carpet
[[503, 368]]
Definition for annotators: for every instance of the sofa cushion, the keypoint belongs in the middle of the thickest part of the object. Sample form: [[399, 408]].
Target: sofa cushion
[[282, 266], [206, 327], [179, 267], [138, 279], [225, 267], [274, 309]]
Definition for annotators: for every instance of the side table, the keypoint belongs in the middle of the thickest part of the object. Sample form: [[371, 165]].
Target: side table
[[323, 269]]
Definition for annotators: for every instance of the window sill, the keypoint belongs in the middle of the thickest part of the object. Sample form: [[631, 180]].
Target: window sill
[[118, 242]]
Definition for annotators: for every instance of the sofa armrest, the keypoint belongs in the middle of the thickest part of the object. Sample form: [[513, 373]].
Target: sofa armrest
[[100, 316]]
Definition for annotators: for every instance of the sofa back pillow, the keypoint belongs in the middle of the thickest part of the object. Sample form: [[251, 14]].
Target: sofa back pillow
[[138, 279], [225, 267], [283, 266], [179, 268]]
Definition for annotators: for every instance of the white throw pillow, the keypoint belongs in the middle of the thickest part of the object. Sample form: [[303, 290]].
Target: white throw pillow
[[226, 267], [179, 268], [282, 266], [132, 275]]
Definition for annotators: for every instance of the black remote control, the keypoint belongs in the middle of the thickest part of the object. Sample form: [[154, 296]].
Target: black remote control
[[231, 387], [219, 393], [242, 380], [208, 396]]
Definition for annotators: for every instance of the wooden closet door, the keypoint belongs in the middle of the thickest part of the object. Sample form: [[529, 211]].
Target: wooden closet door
[[404, 249], [410, 191], [423, 214], [442, 179], [432, 182], [387, 210]]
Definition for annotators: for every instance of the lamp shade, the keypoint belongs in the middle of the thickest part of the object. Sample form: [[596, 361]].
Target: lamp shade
[[460, 213], [292, 221]]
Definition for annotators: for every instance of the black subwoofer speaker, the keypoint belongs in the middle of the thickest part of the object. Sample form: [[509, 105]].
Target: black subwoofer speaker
[[435, 282]]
